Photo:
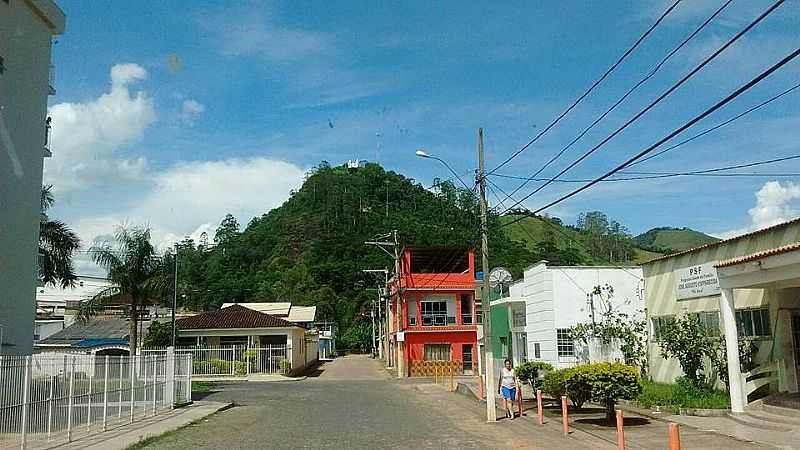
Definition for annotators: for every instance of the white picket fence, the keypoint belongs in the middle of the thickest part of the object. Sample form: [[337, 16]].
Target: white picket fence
[[236, 360], [47, 400]]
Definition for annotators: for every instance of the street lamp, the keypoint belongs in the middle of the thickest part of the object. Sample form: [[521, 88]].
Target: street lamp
[[491, 412], [423, 154]]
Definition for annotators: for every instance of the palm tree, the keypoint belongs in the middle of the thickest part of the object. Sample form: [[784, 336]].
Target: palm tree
[[57, 243], [136, 273]]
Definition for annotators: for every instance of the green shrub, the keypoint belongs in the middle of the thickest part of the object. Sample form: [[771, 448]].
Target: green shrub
[[554, 383], [603, 383], [577, 385], [286, 365], [606, 383], [528, 372]]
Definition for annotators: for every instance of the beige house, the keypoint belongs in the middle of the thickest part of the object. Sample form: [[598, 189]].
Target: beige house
[[26, 30], [238, 326], [747, 287]]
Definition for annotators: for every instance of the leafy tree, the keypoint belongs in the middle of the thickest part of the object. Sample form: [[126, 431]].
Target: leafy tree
[[685, 339], [57, 244], [747, 351], [528, 372], [158, 335], [227, 231], [136, 273]]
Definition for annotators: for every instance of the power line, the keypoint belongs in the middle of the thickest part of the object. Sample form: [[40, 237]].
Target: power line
[[661, 97], [704, 172], [561, 232], [591, 88], [720, 125], [625, 96], [677, 131]]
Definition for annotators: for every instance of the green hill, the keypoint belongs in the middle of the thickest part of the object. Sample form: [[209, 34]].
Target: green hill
[[668, 239], [311, 250], [532, 231]]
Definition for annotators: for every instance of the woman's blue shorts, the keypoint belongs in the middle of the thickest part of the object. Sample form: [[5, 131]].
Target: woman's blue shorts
[[509, 393]]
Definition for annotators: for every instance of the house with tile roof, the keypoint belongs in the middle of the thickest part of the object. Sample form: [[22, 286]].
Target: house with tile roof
[[237, 326], [743, 288]]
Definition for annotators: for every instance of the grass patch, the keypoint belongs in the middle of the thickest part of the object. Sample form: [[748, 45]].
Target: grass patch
[[201, 387], [682, 395]]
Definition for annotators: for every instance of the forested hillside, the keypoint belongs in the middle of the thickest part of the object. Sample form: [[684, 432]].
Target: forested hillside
[[311, 251], [669, 240]]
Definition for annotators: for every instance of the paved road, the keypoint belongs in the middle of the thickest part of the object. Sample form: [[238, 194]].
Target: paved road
[[351, 403]]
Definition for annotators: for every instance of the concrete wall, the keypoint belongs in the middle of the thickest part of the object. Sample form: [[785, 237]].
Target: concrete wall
[[25, 35], [660, 298], [540, 314]]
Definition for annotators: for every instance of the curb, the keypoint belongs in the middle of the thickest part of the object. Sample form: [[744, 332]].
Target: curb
[[250, 380]]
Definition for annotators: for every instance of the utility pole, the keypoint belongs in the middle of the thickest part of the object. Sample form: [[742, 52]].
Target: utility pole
[[401, 363], [175, 297], [491, 408], [372, 315], [383, 242]]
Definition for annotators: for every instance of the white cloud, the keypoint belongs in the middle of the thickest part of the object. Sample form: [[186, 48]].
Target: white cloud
[[190, 109], [773, 206], [86, 136], [191, 198]]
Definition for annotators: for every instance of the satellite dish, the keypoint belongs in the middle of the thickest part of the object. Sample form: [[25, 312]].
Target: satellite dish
[[500, 279]]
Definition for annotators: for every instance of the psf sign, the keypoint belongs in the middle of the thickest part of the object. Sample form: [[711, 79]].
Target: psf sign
[[696, 281]]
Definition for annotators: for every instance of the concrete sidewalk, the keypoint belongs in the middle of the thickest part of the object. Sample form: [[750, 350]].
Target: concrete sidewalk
[[127, 435], [589, 426]]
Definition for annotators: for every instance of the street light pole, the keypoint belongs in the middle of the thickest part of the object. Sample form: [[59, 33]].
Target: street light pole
[[491, 412], [491, 408]]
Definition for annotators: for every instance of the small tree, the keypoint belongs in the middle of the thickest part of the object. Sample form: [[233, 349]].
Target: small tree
[[609, 382], [747, 350], [631, 332], [685, 339], [158, 335], [528, 372]]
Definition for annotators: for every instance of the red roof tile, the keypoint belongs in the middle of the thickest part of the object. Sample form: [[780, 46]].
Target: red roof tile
[[759, 255], [236, 316]]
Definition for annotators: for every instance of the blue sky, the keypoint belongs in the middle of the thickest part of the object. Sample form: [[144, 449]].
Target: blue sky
[[215, 107]]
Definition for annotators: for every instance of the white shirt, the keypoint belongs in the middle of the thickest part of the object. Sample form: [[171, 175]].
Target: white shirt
[[507, 378]]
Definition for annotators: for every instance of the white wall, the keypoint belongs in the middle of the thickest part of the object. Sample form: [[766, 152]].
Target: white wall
[[538, 293], [24, 86], [556, 297], [46, 328]]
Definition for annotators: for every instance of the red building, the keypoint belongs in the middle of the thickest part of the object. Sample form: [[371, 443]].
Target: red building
[[438, 322]]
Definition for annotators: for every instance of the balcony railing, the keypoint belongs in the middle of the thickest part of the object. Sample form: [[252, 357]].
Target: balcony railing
[[466, 319], [438, 320]]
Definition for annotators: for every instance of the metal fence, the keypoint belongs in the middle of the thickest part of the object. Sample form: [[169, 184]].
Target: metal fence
[[47, 400], [236, 360]]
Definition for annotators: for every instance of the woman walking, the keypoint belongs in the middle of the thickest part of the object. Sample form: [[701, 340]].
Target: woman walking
[[509, 388]]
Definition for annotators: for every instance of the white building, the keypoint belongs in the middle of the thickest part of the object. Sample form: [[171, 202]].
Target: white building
[[26, 30], [52, 312], [549, 300]]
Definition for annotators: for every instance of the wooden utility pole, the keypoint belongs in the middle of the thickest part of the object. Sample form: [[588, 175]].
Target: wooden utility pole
[[491, 409]]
